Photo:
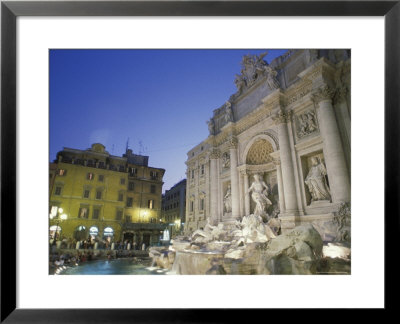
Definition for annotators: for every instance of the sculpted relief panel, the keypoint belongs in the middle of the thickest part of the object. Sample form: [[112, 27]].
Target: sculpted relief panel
[[306, 124]]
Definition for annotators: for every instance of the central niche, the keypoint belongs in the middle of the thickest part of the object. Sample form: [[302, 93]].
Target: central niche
[[259, 152]]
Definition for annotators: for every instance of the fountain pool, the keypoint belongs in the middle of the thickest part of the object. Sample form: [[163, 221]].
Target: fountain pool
[[126, 266]]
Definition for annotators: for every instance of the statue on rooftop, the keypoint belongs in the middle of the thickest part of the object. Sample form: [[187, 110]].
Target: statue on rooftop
[[211, 126], [228, 112]]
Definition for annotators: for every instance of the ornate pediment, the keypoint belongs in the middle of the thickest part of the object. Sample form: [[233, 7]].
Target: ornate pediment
[[254, 68]]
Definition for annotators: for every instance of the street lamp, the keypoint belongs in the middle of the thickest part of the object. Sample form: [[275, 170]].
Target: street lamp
[[60, 217]]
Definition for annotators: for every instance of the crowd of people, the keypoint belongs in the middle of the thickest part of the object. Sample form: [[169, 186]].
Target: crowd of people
[[88, 250], [99, 244], [59, 260]]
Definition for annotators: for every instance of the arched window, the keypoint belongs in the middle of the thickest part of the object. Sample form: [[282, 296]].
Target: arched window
[[54, 229], [80, 233], [108, 231], [94, 231]]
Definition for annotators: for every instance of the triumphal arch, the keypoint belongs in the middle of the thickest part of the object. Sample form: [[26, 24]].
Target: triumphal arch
[[288, 128]]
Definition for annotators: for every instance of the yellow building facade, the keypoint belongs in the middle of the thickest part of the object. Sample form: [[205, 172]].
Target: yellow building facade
[[98, 196]]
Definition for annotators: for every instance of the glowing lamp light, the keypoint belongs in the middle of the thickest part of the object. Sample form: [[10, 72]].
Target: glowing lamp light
[[64, 216], [60, 210]]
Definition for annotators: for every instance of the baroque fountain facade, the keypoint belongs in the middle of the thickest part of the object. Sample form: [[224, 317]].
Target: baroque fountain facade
[[268, 191]]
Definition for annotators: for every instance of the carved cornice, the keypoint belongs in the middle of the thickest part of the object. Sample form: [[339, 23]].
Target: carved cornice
[[324, 93], [298, 92], [276, 162], [215, 153], [232, 142], [340, 94], [321, 69], [253, 169], [274, 99], [282, 117], [244, 172]]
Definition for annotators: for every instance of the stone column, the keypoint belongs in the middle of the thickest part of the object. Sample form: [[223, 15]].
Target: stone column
[[333, 150], [241, 198], [234, 177], [280, 186], [246, 193], [287, 168], [340, 104], [214, 156]]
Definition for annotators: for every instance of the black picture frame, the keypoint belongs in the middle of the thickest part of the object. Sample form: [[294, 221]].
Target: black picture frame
[[10, 10]]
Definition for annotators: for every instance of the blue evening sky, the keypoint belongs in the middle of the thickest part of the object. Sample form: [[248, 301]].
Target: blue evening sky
[[161, 98]]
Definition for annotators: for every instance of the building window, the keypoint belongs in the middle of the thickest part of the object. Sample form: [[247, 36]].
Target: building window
[[202, 169], [150, 204], [192, 174], [121, 168], [202, 204], [120, 196], [118, 216], [83, 212], [191, 206], [132, 172], [90, 176], [98, 194], [152, 189], [96, 213], [102, 165], [129, 202], [62, 172], [153, 175], [57, 191], [86, 193], [101, 177], [128, 219], [122, 181], [131, 186]]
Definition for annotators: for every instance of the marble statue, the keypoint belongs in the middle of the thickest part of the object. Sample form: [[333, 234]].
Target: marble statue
[[228, 112], [166, 235], [211, 126], [239, 82], [259, 191], [316, 181], [208, 234], [226, 161], [228, 200], [271, 78]]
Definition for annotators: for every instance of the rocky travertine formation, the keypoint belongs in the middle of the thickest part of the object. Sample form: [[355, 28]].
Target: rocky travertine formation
[[250, 247]]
